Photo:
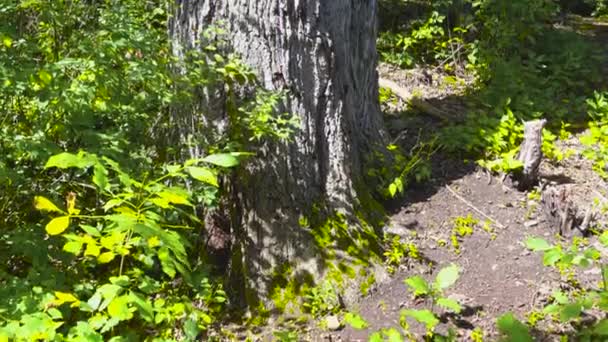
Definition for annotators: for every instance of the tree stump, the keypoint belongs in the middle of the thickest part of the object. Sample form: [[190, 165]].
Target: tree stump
[[530, 154], [560, 211]]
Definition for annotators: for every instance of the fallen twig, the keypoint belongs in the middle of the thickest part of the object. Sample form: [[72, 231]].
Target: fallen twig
[[500, 225], [414, 101]]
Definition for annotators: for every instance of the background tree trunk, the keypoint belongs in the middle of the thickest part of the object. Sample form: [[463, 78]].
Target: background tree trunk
[[323, 52]]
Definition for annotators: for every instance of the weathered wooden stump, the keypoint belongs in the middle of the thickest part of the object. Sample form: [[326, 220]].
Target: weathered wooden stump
[[530, 154], [563, 214], [560, 212]]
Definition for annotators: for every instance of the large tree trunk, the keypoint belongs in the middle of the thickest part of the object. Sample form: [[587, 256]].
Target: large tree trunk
[[324, 53]]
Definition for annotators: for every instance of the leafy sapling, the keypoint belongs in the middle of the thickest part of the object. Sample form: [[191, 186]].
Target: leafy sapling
[[435, 292]]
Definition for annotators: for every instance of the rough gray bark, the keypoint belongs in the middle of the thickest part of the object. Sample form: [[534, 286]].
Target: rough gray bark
[[323, 52]]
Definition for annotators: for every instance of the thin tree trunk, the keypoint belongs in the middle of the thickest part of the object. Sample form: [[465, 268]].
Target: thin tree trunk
[[323, 52]]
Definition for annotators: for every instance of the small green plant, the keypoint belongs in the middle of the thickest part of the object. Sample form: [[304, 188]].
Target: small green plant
[[387, 97], [463, 227], [512, 329], [570, 307], [132, 242], [397, 251], [534, 316], [596, 139], [286, 336], [435, 293], [322, 299], [564, 259], [477, 335], [411, 166], [355, 320], [390, 334]]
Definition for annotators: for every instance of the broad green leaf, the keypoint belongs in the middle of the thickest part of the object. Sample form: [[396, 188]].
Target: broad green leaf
[[392, 189], [112, 203], [419, 285], [175, 197], [112, 240], [66, 160], [447, 277], [106, 257], [92, 249], [191, 329], [393, 335], [119, 308], [143, 306], [551, 309], [204, 175], [604, 238], [44, 204], [537, 244], [601, 328], [560, 297], [552, 256], [58, 225], [45, 77], [570, 311], [73, 247], [122, 281], [100, 177], [63, 297], [425, 317], [90, 230], [355, 321], [222, 159], [376, 337], [7, 41], [449, 304], [166, 262], [513, 329]]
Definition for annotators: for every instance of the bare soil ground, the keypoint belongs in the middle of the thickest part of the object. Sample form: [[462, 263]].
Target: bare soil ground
[[499, 274]]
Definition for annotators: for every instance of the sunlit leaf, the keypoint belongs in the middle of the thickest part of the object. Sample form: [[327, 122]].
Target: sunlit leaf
[[449, 304], [92, 249], [100, 176], [513, 329], [601, 328], [66, 160], [355, 321], [537, 244], [106, 257], [44, 204], [419, 285], [447, 277], [143, 306], [58, 225], [119, 308], [204, 175], [222, 159], [425, 317], [45, 77], [73, 247]]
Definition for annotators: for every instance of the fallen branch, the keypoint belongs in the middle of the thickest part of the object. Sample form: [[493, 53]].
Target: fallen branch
[[500, 225], [414, 101]]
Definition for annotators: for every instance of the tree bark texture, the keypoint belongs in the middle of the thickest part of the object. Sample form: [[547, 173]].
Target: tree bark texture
[[323, 52]]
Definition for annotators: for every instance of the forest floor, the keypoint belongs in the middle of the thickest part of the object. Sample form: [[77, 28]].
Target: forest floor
[[498, 273]]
